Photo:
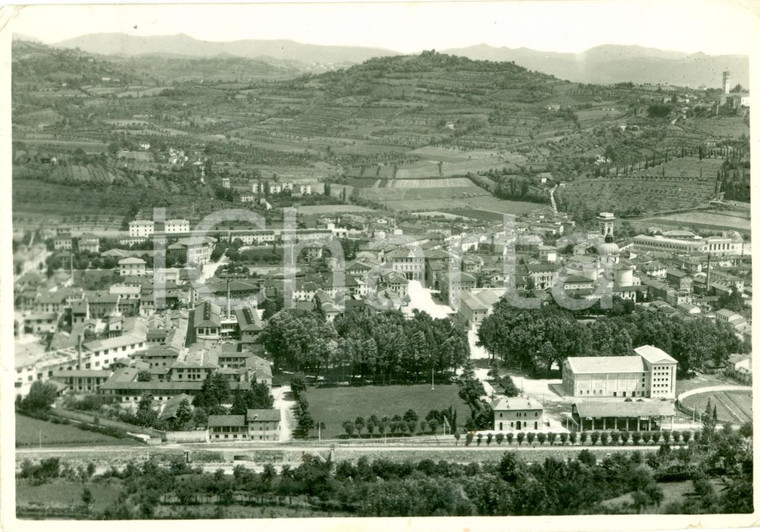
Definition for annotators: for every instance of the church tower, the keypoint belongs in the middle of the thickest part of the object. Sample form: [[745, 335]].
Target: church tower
[[606, 223]]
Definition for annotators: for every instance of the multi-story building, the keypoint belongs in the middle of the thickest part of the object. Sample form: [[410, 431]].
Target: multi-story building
[[41, 323], [651, 372], [141, 228], [517, 414], [89, 242], [207, 321], [177, 226], [407, 262], [257, 424], [62, 242], [644, 243], [131, 266]]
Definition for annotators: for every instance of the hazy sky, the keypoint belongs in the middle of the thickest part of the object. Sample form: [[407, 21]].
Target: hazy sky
[[710, 26]]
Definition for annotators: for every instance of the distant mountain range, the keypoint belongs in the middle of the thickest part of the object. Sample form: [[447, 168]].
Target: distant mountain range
[[309, 55], [602, 64], [618, 63]]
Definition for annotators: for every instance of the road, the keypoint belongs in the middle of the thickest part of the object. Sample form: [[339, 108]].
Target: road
[[493, 448], [551, 195], [209, 269], [285, 405]]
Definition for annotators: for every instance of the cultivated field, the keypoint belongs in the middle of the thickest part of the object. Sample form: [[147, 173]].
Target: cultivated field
[[30, 431], [333, 406], [733, 407]]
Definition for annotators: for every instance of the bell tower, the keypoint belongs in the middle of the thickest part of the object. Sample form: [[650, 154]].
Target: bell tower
[[606, 223]]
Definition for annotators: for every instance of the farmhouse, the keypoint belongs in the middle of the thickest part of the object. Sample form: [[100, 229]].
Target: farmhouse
[[517, 413], [649, 373]]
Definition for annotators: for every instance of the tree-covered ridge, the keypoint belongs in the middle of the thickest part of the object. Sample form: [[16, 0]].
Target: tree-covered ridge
[[381, 346], [536, 339]]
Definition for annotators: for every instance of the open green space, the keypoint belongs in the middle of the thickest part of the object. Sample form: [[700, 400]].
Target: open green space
[[30, 431], [333, 406]]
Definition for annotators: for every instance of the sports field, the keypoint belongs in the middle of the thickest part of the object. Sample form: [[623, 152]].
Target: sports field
[[733, 407], [333, 406]]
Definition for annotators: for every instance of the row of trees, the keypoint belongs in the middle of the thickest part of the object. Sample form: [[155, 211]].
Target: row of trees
[[537, 339], [407, 424]]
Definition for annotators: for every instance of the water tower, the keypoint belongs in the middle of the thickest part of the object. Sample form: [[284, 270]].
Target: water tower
[[726, 82]]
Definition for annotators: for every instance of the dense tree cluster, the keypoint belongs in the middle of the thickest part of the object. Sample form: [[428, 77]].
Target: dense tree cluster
[[379, 346], [536, 339]]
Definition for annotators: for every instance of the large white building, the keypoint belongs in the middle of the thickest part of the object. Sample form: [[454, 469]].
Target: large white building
[[651, 372], [141, 228], [177, 226], [643, 243]]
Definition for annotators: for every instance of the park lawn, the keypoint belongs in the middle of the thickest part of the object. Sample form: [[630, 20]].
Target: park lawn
[[333, 406], [30, 431], [62, 492]]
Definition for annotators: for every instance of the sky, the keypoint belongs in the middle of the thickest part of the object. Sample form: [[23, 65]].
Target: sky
[[709, 26]]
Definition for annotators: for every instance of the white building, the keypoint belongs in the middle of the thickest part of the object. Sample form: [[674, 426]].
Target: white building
[[650, 373], [177, 226], [141, 228]]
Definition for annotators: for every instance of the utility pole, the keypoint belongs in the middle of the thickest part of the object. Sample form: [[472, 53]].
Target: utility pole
[[432, 379]]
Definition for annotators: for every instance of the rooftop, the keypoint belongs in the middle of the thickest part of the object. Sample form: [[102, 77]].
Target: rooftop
[[655, 355], [594, 409], [517, 403], [608, 364], [271, 414]]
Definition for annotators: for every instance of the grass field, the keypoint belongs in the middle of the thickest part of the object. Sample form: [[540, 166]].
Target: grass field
[[333, 406], [60, 492], [30, 431], [733, 407]]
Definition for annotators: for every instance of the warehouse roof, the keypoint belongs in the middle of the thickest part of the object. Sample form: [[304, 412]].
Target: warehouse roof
[[609, 364]]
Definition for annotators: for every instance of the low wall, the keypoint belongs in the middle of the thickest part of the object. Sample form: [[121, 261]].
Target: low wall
[[186, 436]]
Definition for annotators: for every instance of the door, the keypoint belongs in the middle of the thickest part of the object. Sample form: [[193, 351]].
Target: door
[[518, 425]]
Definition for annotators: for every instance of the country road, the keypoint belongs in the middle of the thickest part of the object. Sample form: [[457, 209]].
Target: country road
[[493, 448]]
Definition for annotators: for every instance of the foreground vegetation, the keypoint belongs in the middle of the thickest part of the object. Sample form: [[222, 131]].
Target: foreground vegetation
[[718, 466]]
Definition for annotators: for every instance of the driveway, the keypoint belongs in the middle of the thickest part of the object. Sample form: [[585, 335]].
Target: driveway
[[287, 415]]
